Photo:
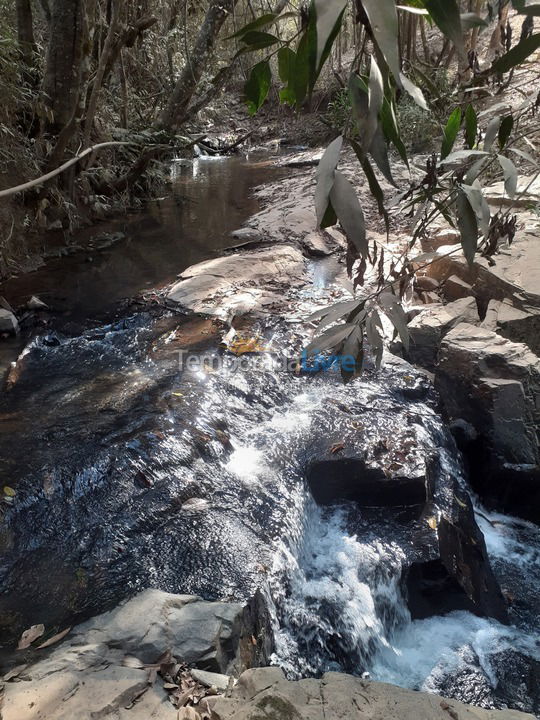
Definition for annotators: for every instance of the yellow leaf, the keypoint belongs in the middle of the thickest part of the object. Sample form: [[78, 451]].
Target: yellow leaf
[[178, 394], [10, 492], [432, 522]]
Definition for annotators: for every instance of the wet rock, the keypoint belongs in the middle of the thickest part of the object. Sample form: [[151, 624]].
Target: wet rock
[[494, 385], [85, 676], [520, 322], [427, 329], [321, 243], [240, 282], [266, 693], [8, 322]]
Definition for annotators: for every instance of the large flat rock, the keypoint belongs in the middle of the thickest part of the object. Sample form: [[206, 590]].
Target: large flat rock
[[244, 282], [265, 693]]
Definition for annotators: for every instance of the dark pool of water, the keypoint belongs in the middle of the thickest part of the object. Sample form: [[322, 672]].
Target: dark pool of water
[[208, 199]]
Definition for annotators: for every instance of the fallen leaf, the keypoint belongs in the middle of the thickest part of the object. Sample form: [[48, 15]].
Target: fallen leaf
[[28, 636], [136, 697], [132, 662], [54, 639], [338, 447], [10, 492], [170, 686], [432, 522]]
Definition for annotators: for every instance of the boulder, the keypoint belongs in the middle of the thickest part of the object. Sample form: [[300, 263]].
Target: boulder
[[87, 676], [427, 329], [8, 322], [440, 238], [266, 693], [246, 281], [455, 288], [494, 385]]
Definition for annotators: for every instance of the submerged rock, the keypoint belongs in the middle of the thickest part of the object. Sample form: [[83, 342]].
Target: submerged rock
[[8, 322], [265, 693]]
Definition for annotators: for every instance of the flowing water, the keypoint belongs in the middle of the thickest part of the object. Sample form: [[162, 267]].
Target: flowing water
[[131, 472]]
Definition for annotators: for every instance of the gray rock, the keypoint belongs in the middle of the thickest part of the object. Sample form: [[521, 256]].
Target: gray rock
[[428, 328], [265, 693], [210, 679], [494, 385], [248, 281], [8, 322]]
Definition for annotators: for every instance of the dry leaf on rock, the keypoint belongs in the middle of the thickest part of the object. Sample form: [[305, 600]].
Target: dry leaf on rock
[[132, 662], [28, 636], [54, 639]]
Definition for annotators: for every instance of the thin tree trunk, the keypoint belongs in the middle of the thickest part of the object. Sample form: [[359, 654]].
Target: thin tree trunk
[[25, 32], [100, 74], [175, 111]]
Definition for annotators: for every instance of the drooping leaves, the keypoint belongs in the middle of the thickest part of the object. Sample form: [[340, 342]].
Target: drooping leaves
[[446, 15], [390, 128], [397, 316], [345, 202], [505, 130], [525, 156], [359, 96], [258, 86], [383, 19], [328, 22], [510, 175], [352, 353], [256, 40], [517, 54], [373, 325], [328, 339], [257, 24], [375, 101], [492, 132], [471, 126], [479, 204], [305, 62], [373, 183], [287, 74], [451, 132], [467, 225], [325, 177], [415, 92]]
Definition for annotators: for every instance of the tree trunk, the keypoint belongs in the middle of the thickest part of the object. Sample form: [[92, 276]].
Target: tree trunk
[[64, 64], [25, 32], [176, 110]]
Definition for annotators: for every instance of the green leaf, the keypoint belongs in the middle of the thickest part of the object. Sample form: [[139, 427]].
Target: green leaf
[[446, 15], [375, 101], [391, 129], [471, 126], [414, 91], [474, 171], [255, 25], [325, 177], [468, 226], [382, 15], [517, 54], [463, 156], [373, 183], [258, 40], [373, 324], [397, 316], [358, 94], [329, 218], [379, 152], [286, 64], [329, 339], [413, 10], [337, 310], [525, 8], [353, 347], [510, 175], [451, 132], [328, 21], [480, 206], [505, 130], [491, 132], [345, 202], [305, 63], [470, 20], [258, 86]]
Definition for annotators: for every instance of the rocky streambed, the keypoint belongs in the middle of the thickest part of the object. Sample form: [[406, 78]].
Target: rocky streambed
[[144, 453]]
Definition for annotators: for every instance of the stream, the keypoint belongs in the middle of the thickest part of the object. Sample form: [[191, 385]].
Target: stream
[[132, 472]]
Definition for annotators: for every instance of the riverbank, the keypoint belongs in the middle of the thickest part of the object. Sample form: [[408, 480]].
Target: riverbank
[[132, 471]]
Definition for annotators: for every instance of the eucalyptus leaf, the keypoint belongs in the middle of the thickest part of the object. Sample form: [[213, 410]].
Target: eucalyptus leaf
[[471, 126], [328, 16], [414, 91], [517, 54], [328, 339], [382, 15], [375, 101], [467, 225], [261, 22], [258, 86], [451, 132], [492, 132], [510, 175], [480, 206], [347, 206], [325, 177], [505, 130], [446, 15]]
